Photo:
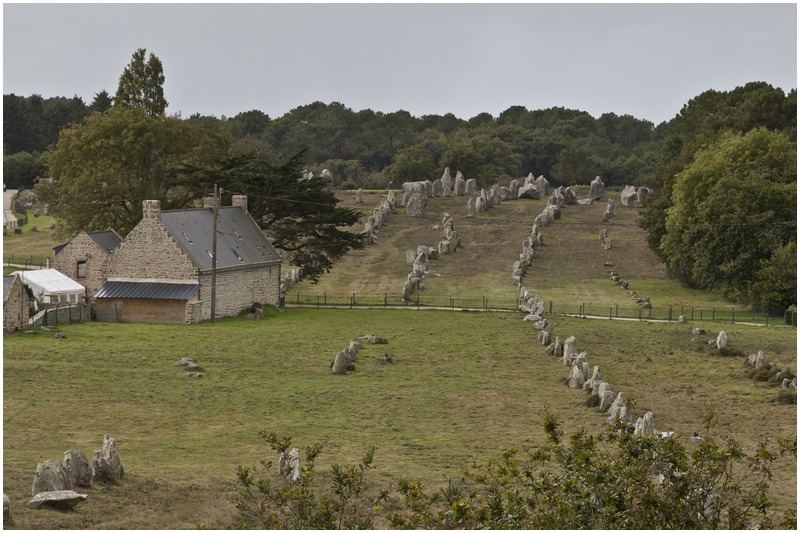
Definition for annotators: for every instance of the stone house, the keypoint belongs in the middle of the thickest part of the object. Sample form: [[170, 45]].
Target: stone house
[[85, 258], [162, 270], [16, 304]]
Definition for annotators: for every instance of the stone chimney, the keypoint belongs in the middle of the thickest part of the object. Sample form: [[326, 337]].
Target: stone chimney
[[151, 209], [240, 200]]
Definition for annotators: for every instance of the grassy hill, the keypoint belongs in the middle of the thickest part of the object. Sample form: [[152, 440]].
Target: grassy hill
[[462, 386]]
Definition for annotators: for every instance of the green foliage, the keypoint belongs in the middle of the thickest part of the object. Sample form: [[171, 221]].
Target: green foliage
[[575, 165], [31, 124], [141, 84], [21, 169], [268, 499], [104, 167], [613, 480], [102, 102], [731, 208], [415, 163], [483, 158], [775, 286]]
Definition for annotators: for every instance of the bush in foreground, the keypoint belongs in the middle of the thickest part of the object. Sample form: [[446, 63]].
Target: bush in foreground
[[614, 480]]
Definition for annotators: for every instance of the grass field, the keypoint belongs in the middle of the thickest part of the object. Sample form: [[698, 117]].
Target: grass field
[[462, 386]]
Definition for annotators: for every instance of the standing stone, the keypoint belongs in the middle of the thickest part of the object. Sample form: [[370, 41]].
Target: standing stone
[[106, 464], [589, 385], [471, 208], [722, 340], [438, 190], [542, 185], [570, 349], [575, 377], [618, 409], [407, 286], [628, 196], [644, 425], [596, 189], [558, 349], [289, 464], [416, 204], [606, 395], [471, 186], [460, 186], [50, 475], [359, 196], [340, 364], [6, 510], [77, 468], [447, 183]]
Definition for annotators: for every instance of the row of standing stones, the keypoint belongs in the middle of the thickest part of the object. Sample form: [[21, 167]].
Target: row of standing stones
[[54, 483], [420, 259], [344, 361]]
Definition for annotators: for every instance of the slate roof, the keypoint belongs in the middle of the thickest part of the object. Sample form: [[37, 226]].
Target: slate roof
[[8, 281], [147, 290], [240, 242], [107, 240]]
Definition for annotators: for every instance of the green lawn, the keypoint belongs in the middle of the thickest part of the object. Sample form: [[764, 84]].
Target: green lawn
[[462, 386]]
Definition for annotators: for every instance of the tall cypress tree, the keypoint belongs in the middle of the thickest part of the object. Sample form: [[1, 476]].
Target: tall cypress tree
[[142, 84]]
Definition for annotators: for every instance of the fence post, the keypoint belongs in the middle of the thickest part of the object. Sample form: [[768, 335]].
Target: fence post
[[692, 312], [325, 297], [713, 312], [298, 296], [669, 318], [385, 300], [354, 298], [617, 311], [610, 312], [640, 313], [733, 315], [317, 300], [418, 300]]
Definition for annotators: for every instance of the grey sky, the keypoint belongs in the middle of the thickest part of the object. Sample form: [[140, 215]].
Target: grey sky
[[646, 60]]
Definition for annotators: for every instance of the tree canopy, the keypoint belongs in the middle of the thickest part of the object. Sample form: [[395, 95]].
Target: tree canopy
[[104, 167], [141, 84], [732, 207]]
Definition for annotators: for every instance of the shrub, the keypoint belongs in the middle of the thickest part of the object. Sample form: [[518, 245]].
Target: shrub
[[271, 500], [729, 352], [787, 397]]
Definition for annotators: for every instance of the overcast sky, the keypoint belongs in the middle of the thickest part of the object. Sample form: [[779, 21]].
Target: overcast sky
[[644, 60]]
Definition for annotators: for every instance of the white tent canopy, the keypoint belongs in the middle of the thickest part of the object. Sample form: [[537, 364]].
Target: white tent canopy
[[51, 286]]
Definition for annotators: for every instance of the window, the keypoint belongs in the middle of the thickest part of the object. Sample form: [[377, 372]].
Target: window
[[81, 269]]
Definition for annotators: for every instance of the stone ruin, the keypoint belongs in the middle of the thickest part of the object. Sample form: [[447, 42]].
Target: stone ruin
[[53, 482]]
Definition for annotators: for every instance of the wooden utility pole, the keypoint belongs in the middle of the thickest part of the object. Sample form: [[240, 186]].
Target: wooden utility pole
[[214, 258]]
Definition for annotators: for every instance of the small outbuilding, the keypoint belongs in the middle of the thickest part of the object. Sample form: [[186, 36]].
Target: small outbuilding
[[50, 287], [86, 257]]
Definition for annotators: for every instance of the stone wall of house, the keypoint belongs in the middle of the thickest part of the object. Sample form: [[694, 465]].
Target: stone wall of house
[[149, 252], [16, 309], [83, 248], [142, 310], [240, 289]]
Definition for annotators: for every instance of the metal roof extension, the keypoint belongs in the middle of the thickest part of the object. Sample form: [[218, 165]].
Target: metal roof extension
[[150, 290]]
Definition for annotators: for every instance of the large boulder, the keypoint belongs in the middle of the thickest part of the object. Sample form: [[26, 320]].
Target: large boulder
[[528, 190], [50, 476], [106, 463], [341, 363], [63, 500], [628, 196], [77, 468]]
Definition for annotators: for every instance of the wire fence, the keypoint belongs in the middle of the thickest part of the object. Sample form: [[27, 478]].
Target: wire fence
[[420, 301], [26, 262], [59, 316]]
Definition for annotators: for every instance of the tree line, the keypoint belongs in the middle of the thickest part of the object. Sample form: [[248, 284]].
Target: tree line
[[723, 169]]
